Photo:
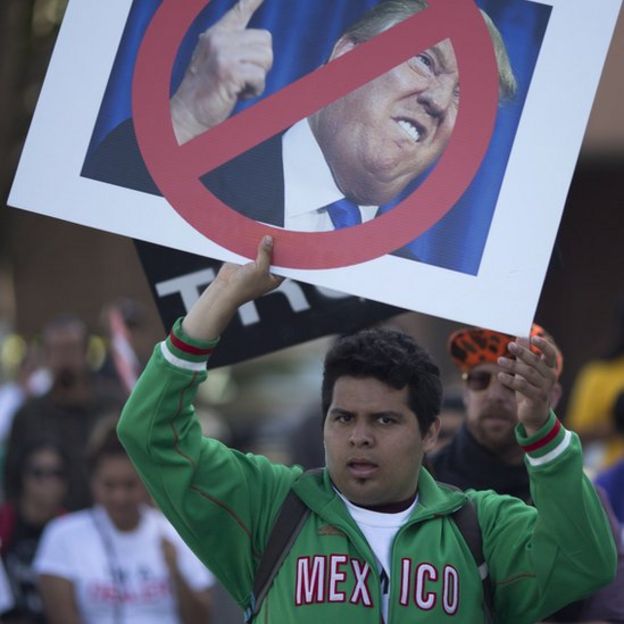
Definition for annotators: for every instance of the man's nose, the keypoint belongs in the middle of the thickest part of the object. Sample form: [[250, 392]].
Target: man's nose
[[361, 435], [438, 96]]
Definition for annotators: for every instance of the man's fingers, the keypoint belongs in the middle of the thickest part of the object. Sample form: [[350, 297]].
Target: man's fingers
[[239, 15], [265, 253], [528, 373], [254, 45], [263, 263], [253, 80], [520, 349], [543, 362], [518, 367], [548, 350], [518, 383]]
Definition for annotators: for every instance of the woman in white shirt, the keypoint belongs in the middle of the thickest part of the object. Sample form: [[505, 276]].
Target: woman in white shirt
[[119, 562]]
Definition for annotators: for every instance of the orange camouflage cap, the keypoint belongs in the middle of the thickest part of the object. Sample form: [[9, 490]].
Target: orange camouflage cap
[[472, 346]]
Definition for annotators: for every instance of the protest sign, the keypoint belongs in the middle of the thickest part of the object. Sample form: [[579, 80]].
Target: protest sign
[[453, 243], [293, 313]]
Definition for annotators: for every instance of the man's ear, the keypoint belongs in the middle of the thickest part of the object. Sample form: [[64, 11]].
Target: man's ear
[[342, 46], [555, 395], [431, 437]]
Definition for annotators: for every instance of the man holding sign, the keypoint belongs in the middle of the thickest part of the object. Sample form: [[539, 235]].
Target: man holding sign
[[380, 540], [346, 163]]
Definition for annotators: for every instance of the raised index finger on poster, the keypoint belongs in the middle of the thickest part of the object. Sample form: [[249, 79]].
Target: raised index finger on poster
[[239, 15], [176, 169]]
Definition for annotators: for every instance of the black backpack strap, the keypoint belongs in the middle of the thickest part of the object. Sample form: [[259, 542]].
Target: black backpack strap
[[468, 524], [288, 524]]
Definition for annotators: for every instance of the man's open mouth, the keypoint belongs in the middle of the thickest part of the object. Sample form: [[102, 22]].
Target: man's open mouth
[[362, 468], [413, 130]]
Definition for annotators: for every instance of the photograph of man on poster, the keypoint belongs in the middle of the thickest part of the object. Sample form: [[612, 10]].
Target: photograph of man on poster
[[354, 155], [350, 161]]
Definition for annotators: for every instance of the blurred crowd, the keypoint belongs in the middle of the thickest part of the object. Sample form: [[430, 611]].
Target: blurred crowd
[[80, 539]]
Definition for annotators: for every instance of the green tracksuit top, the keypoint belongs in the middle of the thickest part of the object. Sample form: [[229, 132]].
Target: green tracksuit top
[[224, 503]]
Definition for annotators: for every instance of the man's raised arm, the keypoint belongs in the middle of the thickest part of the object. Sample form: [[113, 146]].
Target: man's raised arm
[[233, 286], [214, 496], [568, 549]]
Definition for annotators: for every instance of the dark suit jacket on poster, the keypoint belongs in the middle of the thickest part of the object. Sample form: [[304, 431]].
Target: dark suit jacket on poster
[[252, 183]]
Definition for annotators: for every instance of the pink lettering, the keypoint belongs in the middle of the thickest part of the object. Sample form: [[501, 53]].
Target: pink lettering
[[153, 590], [310, 584], [360, 592], [101, 592], [406, 577], [320, 578], [336, 576], [425, 599], [450, 597]]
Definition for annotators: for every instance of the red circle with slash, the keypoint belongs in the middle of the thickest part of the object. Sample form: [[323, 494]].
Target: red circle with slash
[[177, 169]]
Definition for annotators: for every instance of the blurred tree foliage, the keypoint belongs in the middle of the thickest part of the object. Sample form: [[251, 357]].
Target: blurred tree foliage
[[28, 30]]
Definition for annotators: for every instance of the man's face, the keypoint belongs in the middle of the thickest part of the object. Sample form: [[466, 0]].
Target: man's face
[[373, 444], [65, 350], [491, 412], [383, 135]]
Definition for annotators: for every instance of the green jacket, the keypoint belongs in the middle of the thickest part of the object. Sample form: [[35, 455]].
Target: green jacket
[[224, 503]]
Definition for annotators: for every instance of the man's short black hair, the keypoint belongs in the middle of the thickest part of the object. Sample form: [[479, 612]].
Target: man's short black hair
[[392, 357]]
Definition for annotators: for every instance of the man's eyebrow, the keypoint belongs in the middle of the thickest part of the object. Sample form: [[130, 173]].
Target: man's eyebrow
[[391, 413], [339, 410]]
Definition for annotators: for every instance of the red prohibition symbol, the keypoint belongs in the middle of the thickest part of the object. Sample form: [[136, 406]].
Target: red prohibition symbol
[[176, 169]]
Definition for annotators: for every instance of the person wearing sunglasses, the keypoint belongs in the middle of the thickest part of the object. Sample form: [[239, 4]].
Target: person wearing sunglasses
[[35, 494], [484, 454]]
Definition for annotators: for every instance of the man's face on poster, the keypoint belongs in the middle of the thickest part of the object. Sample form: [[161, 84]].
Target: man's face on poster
[[380, 137]]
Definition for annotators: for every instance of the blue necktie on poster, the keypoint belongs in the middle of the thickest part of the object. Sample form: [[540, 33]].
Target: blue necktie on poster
[[344, 213]]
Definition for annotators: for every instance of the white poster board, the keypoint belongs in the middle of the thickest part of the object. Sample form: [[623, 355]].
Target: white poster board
[[491, 277]]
